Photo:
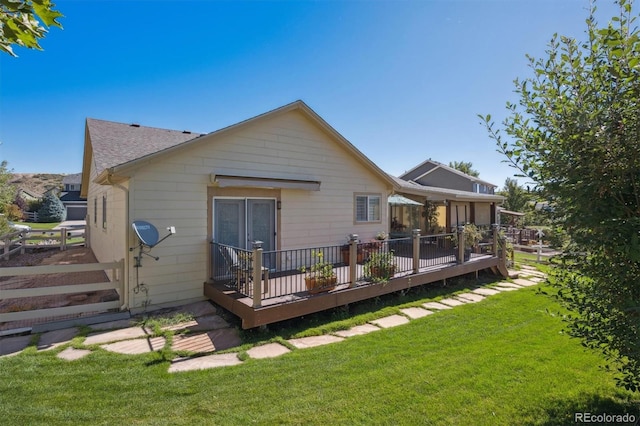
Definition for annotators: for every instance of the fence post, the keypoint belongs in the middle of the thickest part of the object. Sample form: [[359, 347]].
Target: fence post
[[353, 259], [7, 246], [461, 246], [416, 250], [117, 274], [257, 274], [87, 232], [63, 239], [496, 235]]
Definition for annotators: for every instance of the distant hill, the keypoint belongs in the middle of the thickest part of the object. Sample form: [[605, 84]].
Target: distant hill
[[37, 183]]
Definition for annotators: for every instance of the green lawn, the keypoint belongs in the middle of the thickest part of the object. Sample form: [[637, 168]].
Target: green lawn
[[40, 226], [503, 361]]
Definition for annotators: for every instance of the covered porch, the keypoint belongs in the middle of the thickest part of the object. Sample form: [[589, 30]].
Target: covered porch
[[263, 287]]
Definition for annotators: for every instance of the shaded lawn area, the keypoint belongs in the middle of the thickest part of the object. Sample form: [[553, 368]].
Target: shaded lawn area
[[503, 361]]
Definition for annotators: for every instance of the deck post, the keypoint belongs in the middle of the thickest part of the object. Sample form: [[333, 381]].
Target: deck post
[[257, 274], [461, 246], [496, 229], [416, 250], [353, 259]]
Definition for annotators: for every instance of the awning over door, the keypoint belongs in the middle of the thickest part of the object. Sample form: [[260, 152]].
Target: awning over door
[[228, 181], [399, 200]]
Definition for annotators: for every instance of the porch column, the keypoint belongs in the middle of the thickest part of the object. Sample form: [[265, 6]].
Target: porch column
[[416, 250], [257, 274], [353, 259], [461, 244], [496, 235]]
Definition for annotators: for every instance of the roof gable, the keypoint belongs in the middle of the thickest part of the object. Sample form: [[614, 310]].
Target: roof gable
[[121, 148]]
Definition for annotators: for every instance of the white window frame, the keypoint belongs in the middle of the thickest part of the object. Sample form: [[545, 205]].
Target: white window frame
[[369, 212]]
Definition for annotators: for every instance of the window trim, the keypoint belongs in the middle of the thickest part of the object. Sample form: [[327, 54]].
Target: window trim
[[368, 197]]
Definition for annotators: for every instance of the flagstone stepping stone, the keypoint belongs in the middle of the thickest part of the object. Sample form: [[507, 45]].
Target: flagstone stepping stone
[[485, 291], [390, 321], [513, 273], [415, 313], [198, 343], [112, 325], [435, 305], [313, 341], [210, 322], [115, 335], [452, 302], [357, 330], [471, 297], [512, 285], [136, 346], [536, 279], [270, 350], [71, 354], [204, 362], [224, 338], [55, 338], [13, 345], [524, 283], [507, 288]]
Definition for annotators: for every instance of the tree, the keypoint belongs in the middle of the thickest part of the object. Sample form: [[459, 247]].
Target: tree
[[52, 209], [23, 22], [516, 197], [575, 132], [7, 191], [464, 167]]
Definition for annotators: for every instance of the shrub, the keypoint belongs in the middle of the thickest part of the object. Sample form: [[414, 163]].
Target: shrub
[[4, 225], [52, 209], [14, 212]]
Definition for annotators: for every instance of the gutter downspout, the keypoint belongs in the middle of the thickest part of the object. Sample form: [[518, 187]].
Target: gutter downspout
[[125, 274]]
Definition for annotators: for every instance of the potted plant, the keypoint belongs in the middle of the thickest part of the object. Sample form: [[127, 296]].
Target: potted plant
[[320, 276], [380, 266], [471, 236]]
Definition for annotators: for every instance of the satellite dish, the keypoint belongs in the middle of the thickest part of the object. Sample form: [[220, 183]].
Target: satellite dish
[[146, 232]]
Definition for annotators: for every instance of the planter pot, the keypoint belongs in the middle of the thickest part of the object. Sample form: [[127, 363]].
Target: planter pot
[[467, 254], [345, 257], [318, 285], [383, 272]]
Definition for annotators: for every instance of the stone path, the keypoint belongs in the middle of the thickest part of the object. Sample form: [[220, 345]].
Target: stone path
[[208, 332]]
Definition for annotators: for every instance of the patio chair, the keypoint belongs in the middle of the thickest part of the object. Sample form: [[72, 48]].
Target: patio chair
[[241, 267]]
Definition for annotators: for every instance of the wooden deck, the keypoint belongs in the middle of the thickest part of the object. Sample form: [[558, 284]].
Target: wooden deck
[[299, 302]]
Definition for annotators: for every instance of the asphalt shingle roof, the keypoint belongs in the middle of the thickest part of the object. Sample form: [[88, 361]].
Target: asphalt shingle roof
[[115, 144]]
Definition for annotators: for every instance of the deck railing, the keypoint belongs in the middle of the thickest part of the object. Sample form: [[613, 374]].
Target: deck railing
[[263, 275]]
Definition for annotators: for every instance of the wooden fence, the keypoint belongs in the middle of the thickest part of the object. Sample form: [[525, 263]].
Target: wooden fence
[[63, 238], [117, 283]]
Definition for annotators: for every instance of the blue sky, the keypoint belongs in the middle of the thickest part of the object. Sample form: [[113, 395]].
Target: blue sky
[[402, 80]]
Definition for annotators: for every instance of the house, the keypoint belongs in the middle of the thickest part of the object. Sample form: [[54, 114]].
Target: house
[[457, 198], [75, 204], [285, 177]]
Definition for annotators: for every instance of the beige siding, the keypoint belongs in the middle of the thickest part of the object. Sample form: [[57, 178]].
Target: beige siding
[[172, 191]]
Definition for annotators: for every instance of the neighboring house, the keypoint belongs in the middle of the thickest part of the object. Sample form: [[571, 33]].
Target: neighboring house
[[432, 173], [459, 198], [285, 177], [75, 204], [28, 195]]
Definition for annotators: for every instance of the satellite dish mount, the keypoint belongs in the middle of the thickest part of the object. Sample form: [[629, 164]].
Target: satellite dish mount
[[148, 236]]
